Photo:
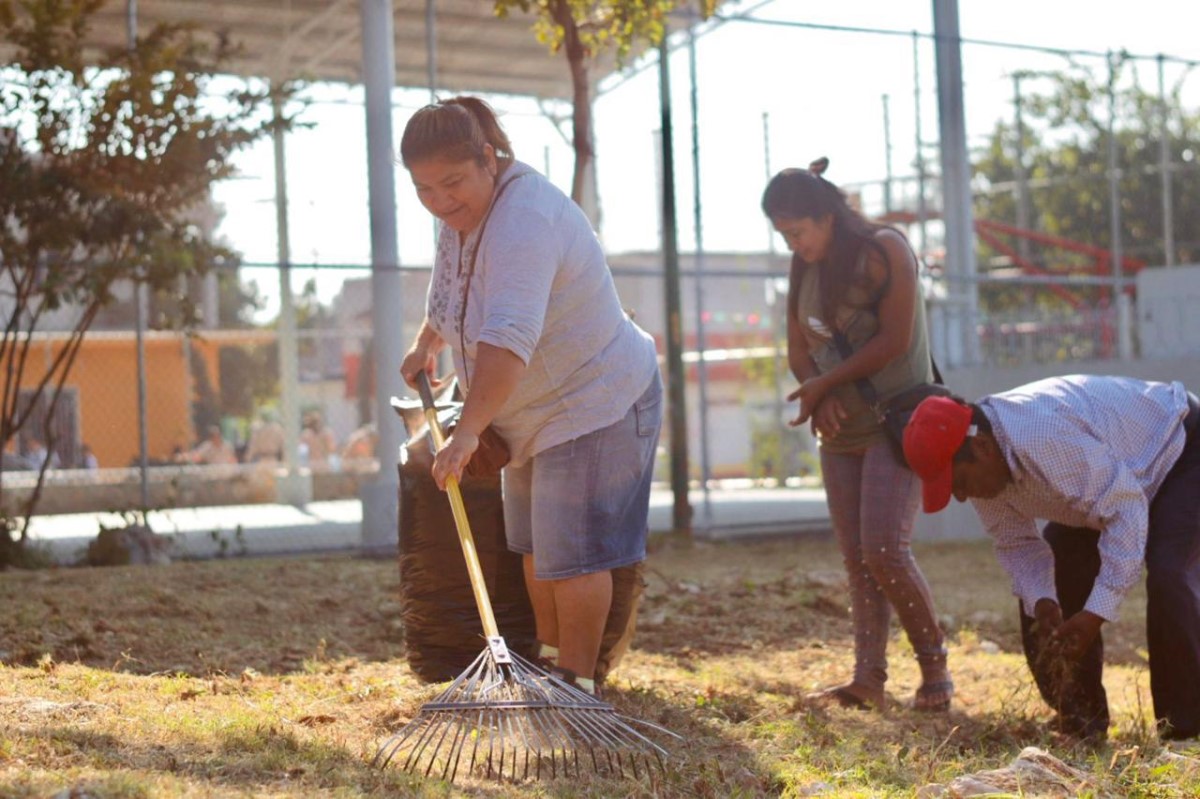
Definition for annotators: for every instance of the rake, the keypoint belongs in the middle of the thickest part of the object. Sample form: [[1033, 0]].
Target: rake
[[505, 715]]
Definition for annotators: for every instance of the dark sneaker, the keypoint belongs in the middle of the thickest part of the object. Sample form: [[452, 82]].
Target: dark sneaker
[[571, 679], [1166, 732]]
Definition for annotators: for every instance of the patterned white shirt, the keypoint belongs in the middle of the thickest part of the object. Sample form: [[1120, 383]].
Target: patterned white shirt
[[542, 290], [1085, 451]]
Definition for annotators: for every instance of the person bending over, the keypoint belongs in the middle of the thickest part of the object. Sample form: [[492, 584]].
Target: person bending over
[[1113, 465], [522, 294]]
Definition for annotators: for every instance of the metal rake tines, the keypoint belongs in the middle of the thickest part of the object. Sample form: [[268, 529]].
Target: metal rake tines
[[514, 720]]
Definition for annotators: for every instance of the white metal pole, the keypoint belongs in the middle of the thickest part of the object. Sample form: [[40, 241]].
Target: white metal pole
[[957, 213], [380, 497], [1120, 299], [766, 137], [776, 360], [431, 47], [922, 210], [295, 489], [1164, 166], [887, 157], [140, 313], [1022, 181]]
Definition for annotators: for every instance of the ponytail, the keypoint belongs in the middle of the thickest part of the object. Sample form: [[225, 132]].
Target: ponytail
[[805, 193], [456, 129]]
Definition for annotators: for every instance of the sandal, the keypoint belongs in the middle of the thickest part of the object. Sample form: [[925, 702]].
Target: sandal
[[934, 697], [847, 696]]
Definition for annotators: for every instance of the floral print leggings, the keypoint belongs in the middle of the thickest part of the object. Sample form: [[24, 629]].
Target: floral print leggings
[[872, 503]]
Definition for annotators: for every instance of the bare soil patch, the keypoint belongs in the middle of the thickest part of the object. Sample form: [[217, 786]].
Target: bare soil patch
[[279, 678]]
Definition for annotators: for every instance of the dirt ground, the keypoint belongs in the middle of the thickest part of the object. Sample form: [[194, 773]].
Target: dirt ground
[[270, 615], [257, 677]]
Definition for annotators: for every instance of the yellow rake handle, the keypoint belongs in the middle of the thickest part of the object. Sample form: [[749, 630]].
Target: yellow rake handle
[[460, 515]]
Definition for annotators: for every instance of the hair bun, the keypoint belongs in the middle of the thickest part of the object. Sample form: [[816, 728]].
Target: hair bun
[[819, 166]]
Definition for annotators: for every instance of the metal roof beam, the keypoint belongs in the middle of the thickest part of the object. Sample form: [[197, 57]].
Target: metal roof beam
[[293, 38], [476, 51]]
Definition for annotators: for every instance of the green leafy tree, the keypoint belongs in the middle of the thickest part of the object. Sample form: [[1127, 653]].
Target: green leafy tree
[[206, 409], [182, 305], [583, 28], [1066, 145], [249, 379], [101, 163], [237, 302], [250, 373]]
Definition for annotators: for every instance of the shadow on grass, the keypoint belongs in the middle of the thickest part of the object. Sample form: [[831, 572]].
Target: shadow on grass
[[702, 758], [267, 758], [763, 741]]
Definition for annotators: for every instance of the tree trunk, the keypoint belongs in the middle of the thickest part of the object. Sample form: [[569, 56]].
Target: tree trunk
[[581, 122]]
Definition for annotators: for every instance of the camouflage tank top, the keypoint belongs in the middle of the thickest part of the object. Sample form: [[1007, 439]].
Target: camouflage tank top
[[858, 319]]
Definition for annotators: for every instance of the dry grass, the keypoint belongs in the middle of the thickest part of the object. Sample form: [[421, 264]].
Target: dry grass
[[278, 678]]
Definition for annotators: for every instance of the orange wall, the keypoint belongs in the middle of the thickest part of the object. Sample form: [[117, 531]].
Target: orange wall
[[105, 375]]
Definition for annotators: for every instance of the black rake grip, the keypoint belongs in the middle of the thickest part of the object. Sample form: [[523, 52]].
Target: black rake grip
[[425, 390]]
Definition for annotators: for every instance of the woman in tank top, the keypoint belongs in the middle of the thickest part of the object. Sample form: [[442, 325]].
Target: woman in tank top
[[859, 279]]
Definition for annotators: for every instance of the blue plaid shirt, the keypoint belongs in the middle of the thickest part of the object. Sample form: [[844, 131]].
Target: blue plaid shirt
[[1085, 451]]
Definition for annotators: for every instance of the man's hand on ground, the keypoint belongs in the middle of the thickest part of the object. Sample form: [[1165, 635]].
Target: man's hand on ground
[[1073, 637], [1049, 618]]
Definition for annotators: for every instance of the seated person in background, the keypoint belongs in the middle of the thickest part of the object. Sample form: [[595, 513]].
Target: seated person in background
[[87, 458], [266, 440], [214, 449], [37, 453], [317, 440], [360, 446]]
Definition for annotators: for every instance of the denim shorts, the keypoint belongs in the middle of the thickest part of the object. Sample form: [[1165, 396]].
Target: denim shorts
[[582, 506]]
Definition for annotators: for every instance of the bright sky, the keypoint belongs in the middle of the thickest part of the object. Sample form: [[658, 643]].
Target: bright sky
[[821, 90]]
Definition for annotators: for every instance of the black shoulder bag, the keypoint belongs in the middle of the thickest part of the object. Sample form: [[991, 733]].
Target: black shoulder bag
[[893, 414]]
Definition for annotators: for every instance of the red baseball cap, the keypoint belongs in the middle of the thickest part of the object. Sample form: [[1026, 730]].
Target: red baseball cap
[[935, 431]]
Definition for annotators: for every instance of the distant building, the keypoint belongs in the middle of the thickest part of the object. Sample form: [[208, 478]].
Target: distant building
[[743, 304]]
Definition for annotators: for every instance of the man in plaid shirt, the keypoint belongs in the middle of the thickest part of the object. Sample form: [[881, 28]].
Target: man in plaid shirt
[[1113, 465]]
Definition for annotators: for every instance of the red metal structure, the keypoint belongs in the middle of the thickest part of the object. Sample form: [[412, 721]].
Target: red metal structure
[[990, 232], [1003, 237]]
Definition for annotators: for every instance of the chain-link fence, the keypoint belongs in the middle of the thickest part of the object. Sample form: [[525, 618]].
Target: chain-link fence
[[213, 406], [1091, 163], [1083, 159]]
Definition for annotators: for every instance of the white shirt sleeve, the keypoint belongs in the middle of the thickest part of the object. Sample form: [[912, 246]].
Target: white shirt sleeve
[[1109, 494], [520, 264], [1021, 550]]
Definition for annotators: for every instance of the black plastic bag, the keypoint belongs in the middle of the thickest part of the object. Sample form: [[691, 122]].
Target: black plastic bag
[[443, 632]]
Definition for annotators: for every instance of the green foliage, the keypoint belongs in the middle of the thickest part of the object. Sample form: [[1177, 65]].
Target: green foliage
[[620, 24], [206, 409], [768, 458], [249, 378], [178, 308], [773, 456], [582, 29], [105, 161], [224, 548], [14, 553], [1066, 145], [237, 301]]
